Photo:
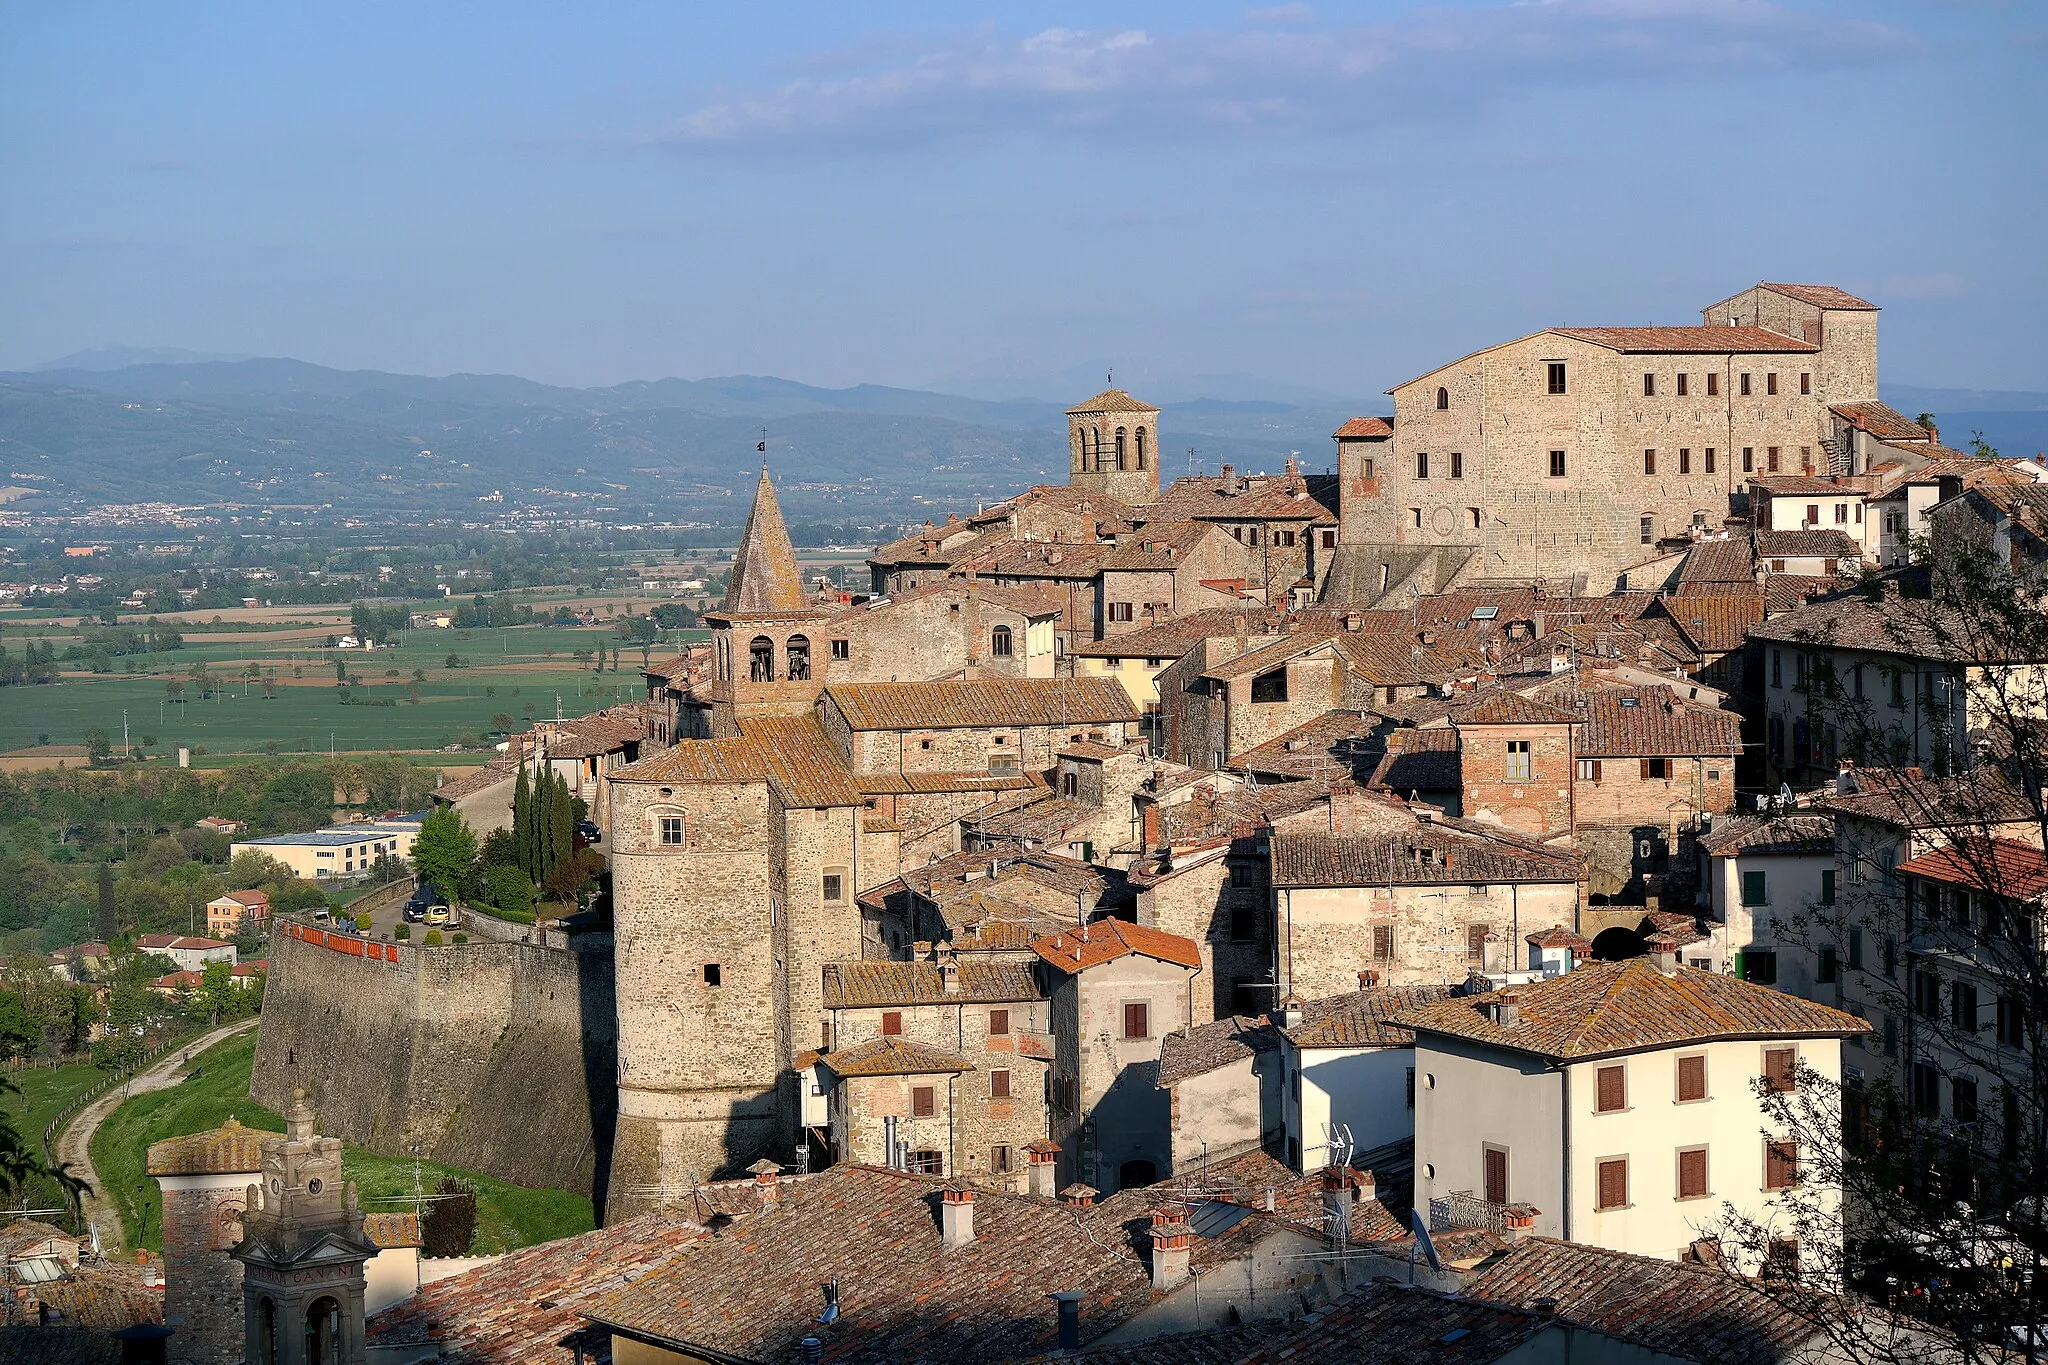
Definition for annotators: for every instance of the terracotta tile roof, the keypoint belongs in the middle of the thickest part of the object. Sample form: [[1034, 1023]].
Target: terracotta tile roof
[[1787, 592], [1204, 1048], [1509, 708], [229, 1149], [28, 1234], [1267, 654], [1210, 815], [1650, 722], [1110, 400], [802, 761], [1787, 484], [1400, 661], [392, 1229], [1157, 546], [500, 769], [854, 985], [983, 870], [1717, 623], [893, 1056], [1397, 1324], [1557, 936], [998, 557], [1364, 428], [1719, 561], [1343, 741], [1695, 1312], [1250, 1177], [1105, 940], [1361, 1018], [1994, 476], [982, 702], [1771, 833], [1908, 798], [58, 1345], [994, 935], [1606, 1008], [1914, 628], [1248, 497], [1419, 761], [752, 1292], [1169, 640], [105, 1296], [1688, 340], [1880, 420], [2004, 866], [1437, 853], [900, 784], [1821, 296], [517, 1309], [1823, 544]]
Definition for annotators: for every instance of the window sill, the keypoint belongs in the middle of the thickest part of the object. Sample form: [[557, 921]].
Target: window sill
[[1692, 1198], [1612, 1208], [1603, 1113], [1704, 1099]]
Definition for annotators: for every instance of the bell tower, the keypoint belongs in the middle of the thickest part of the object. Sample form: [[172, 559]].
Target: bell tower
[[302, 1252], [1113, 447]]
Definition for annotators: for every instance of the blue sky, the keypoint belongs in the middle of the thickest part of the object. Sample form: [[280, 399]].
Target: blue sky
[[1322, 196]]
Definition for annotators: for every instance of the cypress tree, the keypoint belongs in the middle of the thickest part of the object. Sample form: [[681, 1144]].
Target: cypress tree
[[522, 822], [561, 830], [103, 923]]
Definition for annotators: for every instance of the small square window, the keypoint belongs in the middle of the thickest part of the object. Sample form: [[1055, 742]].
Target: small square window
[[892, 1023], [842, 649], [834, 887], [998, 1023], [1692, 1079], [999, 1085], [1612, 1090], [999, 1160], [1557, 464], [1555, 376], [924, 1101], [671, 829], [714, 975]]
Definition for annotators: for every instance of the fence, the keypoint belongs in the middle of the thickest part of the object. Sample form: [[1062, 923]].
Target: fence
[[1464, 1209]]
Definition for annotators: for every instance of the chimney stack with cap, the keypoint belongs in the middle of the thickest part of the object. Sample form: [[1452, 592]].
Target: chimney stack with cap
[[956, 1218], [949, 970], [1079, 1195], [1505, 1008], [1040, 1167], [767, 1182], [1172, 1251], [1069, 1301], [1518, 1221]]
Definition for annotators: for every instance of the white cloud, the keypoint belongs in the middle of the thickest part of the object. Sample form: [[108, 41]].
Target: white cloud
[[1298, 78]]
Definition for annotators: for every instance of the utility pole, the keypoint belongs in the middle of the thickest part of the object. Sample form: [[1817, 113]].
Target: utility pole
[[124, 732]]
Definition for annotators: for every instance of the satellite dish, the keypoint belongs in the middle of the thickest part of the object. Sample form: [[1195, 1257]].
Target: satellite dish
[[1422, 1239]]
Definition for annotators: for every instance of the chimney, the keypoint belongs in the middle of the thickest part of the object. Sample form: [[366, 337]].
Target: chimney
[[1845, 778], [1353, 621], [1518, 1221], [812, 1349], [1545, 1307], [956, 1218], [767, 1182], [1069, 1301], [1228, 471], [1505, 1009], [1171, 1250], [1337, 1200], [1079, 1195], [1368, 980], [1290, 1011], [1664, 952], [1039, 1167], [921, 951]]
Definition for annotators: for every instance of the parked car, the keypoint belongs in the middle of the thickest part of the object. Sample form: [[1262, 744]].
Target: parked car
[[437, 915], [588, 831]]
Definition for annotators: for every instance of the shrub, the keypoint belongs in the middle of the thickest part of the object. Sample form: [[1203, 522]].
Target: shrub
[[402, 933], [450, 1222], [433, 938], [362, 922], [509, 889], [462, 938]]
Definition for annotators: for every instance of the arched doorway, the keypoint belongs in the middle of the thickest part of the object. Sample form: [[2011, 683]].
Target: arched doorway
[[797, 658], [1617, 945], [761, 659], [323, 1332], [266, 1331], [1134, 1175]]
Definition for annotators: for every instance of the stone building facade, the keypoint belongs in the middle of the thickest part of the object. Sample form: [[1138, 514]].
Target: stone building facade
[[1113, 447]]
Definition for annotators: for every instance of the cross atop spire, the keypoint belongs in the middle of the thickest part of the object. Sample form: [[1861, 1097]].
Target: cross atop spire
[[764, 573]]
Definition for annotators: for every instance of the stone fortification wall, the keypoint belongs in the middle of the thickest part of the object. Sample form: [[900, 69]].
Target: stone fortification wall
[[495, 1057]]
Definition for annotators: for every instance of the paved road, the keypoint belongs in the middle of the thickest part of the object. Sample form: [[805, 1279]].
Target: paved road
[[75, 1142]]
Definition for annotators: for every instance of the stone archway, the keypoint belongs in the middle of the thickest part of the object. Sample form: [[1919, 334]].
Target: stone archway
[[1617, 945]]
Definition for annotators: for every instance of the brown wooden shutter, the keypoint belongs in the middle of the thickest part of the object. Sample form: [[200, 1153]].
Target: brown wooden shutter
[[1613, 1089], [1644, 765], [1614, 1183], [1692, 1078], [1692, 1173], [1596, 770], [892, 1024], [1779, 1068], [999, 1085], [1496, 1176], [1475, 941], [923, 1102], [1781, 1165], [1383, 942], [1137, 1020], [998, 1023]]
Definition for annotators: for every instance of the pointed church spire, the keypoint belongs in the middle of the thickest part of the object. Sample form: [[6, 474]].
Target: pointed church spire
[[764, 573]]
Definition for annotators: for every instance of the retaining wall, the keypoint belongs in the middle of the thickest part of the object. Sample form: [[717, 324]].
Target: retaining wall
[[500, 1058]]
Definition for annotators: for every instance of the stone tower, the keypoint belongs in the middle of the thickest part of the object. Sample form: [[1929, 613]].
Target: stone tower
[[769, 656], [205, 1182], [302, 1252], [1113, 447], [764, 573]]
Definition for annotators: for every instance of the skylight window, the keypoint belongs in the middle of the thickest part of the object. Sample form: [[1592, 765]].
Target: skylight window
[[1485, 613]]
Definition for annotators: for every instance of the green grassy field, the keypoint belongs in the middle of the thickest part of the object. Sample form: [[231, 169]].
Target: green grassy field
[[44, 1091], [509, 672], [508, 1215]]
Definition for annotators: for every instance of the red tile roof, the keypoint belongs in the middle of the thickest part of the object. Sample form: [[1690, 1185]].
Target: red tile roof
[[2003, 866], [1687, 340], [1441, 852], [1365, 428], [958, 703], [1881, 420], [1110, 400], [1509, 708], [1715, 623], [858, 985], [891, 1056], [1821, 296], [1105, 940], [1362, 1018], [1607, 1008]]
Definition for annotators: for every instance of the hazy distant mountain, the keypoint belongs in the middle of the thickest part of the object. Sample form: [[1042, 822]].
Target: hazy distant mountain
[[1007, 379], [114, 356], [1913, 400]]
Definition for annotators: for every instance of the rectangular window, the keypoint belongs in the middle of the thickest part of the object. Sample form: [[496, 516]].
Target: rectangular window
[[1421, 464], [1684, 460], [1383, 942], [1612, 1090], [1656, 769], [1713, 384], [1692, 1173], [1770, 459], [714, 975], [999, 1159], [842, 649], [1926, 993], [1855, 947], [1710, 459], [1756, 888], [998, 1023], [1805, 382], [1771, 383], [1496, 1159], [1613, 1186], [1781, 1165], [1926, 1089], [1649, 462], [2012, 1021], [1649, 530], [1744, 385], [1827, 886], [1692, 1079], [1759, 965], [1828, 967], [999, 1085], [1518, 761], [1329, 540], [924, 1101], [1962, 1099], [1120, 611], [1589, 770], [1841, 514], [1649, 386], [1457, 464], [1682, 384], [1475, 941], [892, 1023], [1137, 1019], [1781, 1069], [834, 887], [1962, 1003], [1556, 368], [1411, 1087], [1557, 464], [1749, 459]]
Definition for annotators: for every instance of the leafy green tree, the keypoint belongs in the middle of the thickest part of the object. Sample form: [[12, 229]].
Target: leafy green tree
[[99, 745], [20, 1035], [508, 889], [216, 993], [444, 849]]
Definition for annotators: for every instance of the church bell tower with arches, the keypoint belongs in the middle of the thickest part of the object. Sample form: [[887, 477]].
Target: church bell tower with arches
[[1113, 447]]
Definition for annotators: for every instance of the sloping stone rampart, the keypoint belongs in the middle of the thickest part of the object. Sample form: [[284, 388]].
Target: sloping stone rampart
[[499, 1058]]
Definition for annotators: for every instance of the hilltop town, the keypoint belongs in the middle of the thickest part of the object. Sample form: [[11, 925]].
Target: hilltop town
[[1380, 915]]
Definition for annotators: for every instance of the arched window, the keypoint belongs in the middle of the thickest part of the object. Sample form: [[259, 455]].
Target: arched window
[[1000, 642], [1099, 447], [1144, 451], [266, 1331], [1443, 400], [761, 659], [1120, 435], [797, 658], [323, 1333]]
